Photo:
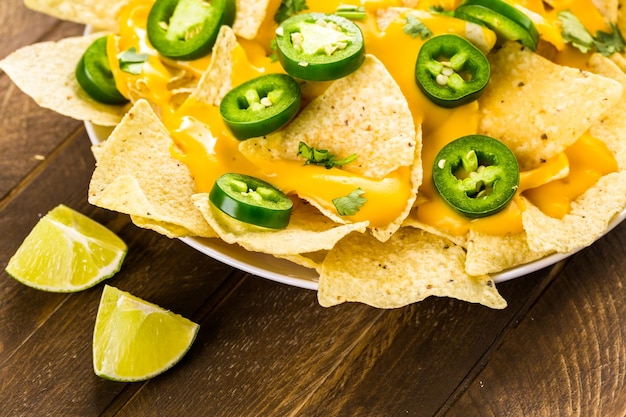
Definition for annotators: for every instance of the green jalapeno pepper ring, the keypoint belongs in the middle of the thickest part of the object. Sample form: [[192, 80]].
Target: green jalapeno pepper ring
[[261, 105], [451, 71], [251, 200], [319, 47], [505, 20], [477, 175], [187, 29], [94, 75]]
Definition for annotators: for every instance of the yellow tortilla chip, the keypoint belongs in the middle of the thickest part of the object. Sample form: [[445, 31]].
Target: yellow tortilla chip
[[97, 13], [216, 81], [249, 17], [311, 260], [170, 230], [607, 8], [136, 174], [411, 221], [587, 221], [55, 86], [373, 122], [384, 233], [353, 116], [409, 267], [308, 230], [552, 105], [611, 127], [488, 254]]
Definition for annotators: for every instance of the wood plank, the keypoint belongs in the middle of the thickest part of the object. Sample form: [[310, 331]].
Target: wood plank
[[45, 350], [23, 310], [29, 131], [567, 357], [263, 352], [21, 26], [258, 357], [417, 356]]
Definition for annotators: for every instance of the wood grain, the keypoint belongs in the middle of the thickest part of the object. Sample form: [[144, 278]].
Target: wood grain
[[30, 133], [567, 357], [268, 349]]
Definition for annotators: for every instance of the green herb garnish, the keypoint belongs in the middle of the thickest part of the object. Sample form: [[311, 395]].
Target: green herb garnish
[[575, 33], [322, 157], [415, 28], [350, 204], [132, 62], [289, 8], [610, 43]]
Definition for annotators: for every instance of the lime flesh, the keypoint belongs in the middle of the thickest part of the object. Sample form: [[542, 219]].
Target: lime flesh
[[135, 340], [67, 251]]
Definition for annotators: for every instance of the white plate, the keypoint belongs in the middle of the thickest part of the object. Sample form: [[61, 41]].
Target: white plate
[[286, 272]]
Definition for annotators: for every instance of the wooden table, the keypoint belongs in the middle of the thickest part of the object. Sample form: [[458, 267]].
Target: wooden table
[[268, 349]]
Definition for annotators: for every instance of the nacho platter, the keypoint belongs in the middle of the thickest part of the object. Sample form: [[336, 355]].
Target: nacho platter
[[401, 244], [285, 272]]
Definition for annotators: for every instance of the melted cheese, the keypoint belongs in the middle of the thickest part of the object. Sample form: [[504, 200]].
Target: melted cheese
[[205, 145], [589, 159]]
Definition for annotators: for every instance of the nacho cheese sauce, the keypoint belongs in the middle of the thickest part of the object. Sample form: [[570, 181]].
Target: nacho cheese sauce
[[205, 145]]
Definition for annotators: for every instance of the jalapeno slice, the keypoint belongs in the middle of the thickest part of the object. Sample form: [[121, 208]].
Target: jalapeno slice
[[94, 75], [451, 71], [477, 175], [187, 29], [319, 47], [261, 105], [505, 20], [251, 200]]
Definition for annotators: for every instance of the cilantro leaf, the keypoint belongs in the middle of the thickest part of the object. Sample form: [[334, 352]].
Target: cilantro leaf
[[575, 33], [132, 62], [289, 8], [322, 157], [415, 28], [610, 43], [350, 204]]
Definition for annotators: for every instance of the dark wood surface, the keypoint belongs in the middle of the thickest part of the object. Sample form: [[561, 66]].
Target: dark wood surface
[[268, 349]]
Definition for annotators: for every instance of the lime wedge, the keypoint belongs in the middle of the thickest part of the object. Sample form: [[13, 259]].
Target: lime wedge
[[135, 340], [66, 252]]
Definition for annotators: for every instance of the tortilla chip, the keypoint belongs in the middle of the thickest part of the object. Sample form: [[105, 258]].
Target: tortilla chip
[[55, 86], [249, 17], [411, 221], [554, 104], [170, 230], [611, 128], [216, 81], [311, 260], [607, 8], [136, 174], [374, 122], [354, 115], [96, 13], [384, 233], [308, 230], [409, 267], [487, 254], [587, 221]]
